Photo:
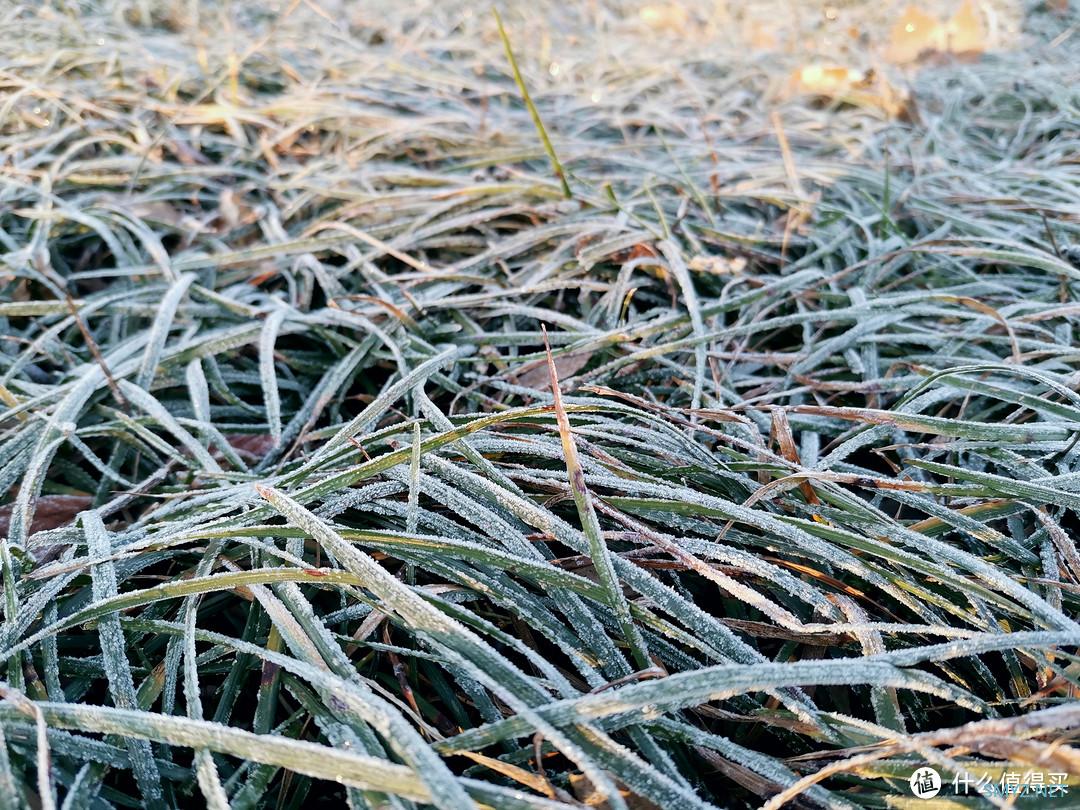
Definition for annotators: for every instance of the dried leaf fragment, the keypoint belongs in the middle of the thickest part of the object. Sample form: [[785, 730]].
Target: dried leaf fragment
[[718, 265], [665, 16]]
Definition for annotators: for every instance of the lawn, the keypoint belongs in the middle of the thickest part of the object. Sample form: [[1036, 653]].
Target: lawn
[[622, 405]]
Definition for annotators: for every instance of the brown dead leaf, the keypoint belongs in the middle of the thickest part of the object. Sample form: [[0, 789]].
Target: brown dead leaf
[[184, 153], [252, 446], [159, 211], [51, 512], [228, 209], [1056, 686], [785, 442], [638, 251], [235, 210], [587, 794], [535, 375]]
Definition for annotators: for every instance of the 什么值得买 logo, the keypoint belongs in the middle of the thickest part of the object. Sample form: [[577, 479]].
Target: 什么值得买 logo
[[925, 783]]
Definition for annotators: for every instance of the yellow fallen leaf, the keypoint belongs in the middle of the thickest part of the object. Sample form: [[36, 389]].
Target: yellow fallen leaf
[[718, 265], [965, 32], [915, 33], [665, 16], [826, 80], [856, 87]]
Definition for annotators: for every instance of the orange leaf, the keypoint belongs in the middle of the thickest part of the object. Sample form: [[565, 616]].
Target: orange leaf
[[915, 33], [965, 32]]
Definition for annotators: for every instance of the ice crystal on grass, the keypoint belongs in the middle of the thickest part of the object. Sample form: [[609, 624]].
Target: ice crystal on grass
[[386, 423]]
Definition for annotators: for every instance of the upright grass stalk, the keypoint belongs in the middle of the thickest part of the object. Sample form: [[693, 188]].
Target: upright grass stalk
[[538, 122], [590, 525]]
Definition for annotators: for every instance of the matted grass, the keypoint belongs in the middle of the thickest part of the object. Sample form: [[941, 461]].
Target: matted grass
[[294, 518]]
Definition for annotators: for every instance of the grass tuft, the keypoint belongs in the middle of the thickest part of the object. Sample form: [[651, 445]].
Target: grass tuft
[[345, 460]]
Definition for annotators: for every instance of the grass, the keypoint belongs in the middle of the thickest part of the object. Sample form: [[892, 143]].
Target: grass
[[344, 458]]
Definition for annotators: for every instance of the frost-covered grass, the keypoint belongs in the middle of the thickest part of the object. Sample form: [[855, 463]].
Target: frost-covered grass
[[294, 518]]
